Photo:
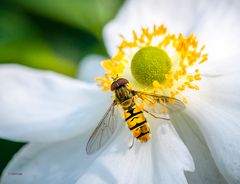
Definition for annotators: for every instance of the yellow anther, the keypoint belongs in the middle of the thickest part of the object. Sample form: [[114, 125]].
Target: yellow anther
[[181, 88], [184, 100], [190, 78], [197, 77]]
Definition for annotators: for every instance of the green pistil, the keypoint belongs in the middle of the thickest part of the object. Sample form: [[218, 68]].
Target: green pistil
[[150, 64]]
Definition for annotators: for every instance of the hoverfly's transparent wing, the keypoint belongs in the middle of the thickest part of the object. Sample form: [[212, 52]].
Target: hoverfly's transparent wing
[[158, 103], [103, 131]]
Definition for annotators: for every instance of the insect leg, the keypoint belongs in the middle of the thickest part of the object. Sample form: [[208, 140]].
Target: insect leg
[[158, 117], [132, 143]]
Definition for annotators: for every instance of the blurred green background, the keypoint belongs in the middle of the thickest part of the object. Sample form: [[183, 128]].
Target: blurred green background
[[51, 35]]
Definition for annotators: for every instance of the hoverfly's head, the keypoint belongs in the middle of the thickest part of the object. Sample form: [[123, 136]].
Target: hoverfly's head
[[118, 83]]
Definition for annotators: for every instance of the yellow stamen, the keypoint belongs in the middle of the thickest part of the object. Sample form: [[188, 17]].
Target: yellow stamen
[[184, 52]]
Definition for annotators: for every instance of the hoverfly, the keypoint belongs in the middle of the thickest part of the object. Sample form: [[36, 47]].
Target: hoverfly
[[136, 121]]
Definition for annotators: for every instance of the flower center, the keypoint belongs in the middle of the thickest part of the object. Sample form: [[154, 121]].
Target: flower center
[[157, 61], [150, 64]]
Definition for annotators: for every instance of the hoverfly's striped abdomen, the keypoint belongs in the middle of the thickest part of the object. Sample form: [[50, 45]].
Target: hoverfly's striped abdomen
[[137, 123]]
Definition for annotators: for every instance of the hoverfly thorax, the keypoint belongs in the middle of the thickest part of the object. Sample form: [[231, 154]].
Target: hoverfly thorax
[[122, 94]]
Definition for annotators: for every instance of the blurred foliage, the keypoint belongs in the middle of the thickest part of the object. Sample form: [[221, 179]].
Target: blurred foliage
[[90, 15], [8, 149], [52, 35], [19, 43]]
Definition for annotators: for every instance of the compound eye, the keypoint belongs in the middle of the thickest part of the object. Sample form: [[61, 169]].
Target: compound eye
[[119, 82], [114, 86], [122, 81]]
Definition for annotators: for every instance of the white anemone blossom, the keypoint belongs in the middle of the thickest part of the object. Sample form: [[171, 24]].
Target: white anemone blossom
[[56, 115]]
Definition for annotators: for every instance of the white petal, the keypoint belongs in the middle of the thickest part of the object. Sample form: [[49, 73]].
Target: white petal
[[219, 123], [219, 29], [179, 16], [220, 86], [162, 160], [219, 67], [45, 106], [206, 171], [59, 162], [90, 68]]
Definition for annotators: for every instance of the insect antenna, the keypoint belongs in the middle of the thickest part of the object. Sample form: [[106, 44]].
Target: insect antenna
[[115, 78]]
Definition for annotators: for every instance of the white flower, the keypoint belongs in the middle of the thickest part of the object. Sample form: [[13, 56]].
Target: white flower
[[56, 115]]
